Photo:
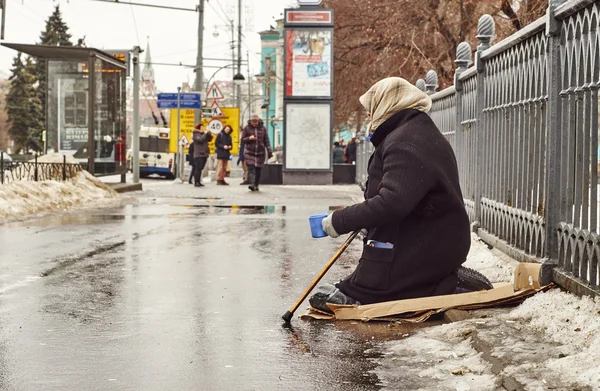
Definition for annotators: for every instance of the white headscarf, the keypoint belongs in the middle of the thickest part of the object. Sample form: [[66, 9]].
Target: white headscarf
[[389, 96]]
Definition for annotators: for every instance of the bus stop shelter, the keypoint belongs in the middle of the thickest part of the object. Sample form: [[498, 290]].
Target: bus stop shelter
[[85, 105]]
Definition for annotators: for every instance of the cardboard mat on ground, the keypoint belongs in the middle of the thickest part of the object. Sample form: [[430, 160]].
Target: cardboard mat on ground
[[526, 284]]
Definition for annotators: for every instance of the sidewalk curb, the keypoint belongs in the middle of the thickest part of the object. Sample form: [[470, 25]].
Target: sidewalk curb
[[125, 187]]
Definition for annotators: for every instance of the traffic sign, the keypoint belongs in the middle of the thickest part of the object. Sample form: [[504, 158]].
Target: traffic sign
[[214, 92], [215, 111], [172, 104], [184, 141], [187, 101], [215, 126]]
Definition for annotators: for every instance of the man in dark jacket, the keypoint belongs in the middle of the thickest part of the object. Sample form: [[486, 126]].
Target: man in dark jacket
[[338, 154], [418, 229], [257, 150], [351, 151], [224, 145], [201, 152]]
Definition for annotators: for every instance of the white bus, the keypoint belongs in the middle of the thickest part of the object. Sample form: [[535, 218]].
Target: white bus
[[155, 154]]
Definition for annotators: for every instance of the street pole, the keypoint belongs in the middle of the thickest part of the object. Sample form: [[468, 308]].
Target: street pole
[[179, 159], [250, 84], [136, 115], [199, 59], [238, 99], [232, 48]]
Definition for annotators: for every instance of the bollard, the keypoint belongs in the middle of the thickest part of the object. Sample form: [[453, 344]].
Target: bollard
[[64, 170], [35, 170]]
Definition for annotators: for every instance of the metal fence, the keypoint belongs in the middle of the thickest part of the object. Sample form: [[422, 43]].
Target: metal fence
[[523, 122], [11, 171]]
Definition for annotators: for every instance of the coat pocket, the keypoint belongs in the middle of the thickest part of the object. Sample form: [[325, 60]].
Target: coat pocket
[[373, 271]]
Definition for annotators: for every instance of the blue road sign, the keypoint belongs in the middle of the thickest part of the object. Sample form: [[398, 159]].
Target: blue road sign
[[188, 101], [172, 104], [167, 96], [196, 97]]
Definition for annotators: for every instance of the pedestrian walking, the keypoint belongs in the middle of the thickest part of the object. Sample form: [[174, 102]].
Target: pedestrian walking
[[417, 229], [351, 151], [191, 160], [257, 150], [338, 153], [224, 145], [201, 139]]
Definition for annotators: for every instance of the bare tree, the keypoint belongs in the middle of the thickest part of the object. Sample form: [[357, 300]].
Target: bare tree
[[381, 38]]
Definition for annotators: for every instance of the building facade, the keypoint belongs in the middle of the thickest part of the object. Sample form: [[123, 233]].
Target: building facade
[[271, 78]]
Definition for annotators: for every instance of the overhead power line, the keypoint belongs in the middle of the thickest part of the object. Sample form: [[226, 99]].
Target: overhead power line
[[146, 5]]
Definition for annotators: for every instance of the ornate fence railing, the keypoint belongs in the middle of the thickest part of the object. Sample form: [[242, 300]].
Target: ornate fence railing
[[523, 122], [11, 171]]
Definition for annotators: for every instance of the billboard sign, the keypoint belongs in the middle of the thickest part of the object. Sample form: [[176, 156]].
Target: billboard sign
[[309, 63]]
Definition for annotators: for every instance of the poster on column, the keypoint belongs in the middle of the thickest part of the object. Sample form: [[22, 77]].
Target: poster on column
[[308, 136], [309, 70]]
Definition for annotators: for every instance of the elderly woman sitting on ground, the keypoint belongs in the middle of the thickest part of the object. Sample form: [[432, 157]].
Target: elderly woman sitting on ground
[[417, 227]]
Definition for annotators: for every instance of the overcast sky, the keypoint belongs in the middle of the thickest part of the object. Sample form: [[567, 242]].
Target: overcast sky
[[172, 34]]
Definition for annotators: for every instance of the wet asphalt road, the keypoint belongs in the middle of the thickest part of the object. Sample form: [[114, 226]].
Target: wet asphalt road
[[175, 291]]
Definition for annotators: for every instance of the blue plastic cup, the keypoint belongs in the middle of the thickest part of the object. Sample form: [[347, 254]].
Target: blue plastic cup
[[316, 226]]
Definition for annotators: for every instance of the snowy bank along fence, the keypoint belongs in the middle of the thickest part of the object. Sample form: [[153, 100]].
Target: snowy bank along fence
[[523, 122], [11, 171]]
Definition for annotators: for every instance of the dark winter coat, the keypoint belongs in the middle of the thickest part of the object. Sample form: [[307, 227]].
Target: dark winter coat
[[201, 141], [414, 201], [256, 151], [338, 155], [351, 153], [242, 147], [223, 140], [191, 154]]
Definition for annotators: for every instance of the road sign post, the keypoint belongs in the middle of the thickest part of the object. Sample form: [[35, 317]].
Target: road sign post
[[180, 154], [192, 100]]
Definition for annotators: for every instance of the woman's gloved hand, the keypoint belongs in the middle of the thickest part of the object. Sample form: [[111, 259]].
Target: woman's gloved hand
[[328, 226]]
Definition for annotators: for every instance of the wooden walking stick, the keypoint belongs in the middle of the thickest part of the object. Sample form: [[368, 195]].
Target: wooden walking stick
[[287, 317]]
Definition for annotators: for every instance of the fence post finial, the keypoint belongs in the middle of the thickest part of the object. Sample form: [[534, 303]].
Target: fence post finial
[[431, 82], [420, 84], [486, 32], [463, 56]]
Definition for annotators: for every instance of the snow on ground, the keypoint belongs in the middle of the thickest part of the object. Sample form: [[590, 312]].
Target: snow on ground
[[552, 341], [22, 199]]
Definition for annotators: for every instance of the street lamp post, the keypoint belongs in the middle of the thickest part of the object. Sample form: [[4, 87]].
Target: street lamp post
[[237, 79], [230, 25], [248, 106]]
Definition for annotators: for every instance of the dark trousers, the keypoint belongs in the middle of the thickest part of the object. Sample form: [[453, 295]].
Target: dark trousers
[[192, 173], [199, 163], [254, 175]]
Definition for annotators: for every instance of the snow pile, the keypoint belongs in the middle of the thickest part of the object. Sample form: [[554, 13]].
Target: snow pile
[[25, 198], [571, 323], [56, 158], [495, 266], [438, 358]]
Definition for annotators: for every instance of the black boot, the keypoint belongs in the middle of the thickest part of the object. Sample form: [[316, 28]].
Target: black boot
[[251, 180]]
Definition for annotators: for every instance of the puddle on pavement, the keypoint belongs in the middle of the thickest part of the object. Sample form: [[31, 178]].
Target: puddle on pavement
[[251, 209], [240, 209]]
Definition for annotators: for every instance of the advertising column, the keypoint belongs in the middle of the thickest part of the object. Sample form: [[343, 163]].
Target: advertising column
[[308, 98]]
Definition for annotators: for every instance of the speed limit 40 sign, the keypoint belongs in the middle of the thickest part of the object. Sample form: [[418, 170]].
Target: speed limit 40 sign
[[215, 126]]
